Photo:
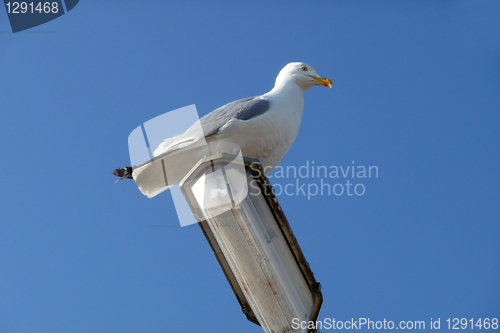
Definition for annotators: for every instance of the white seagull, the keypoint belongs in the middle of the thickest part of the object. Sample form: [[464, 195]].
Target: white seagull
[[263, 127]]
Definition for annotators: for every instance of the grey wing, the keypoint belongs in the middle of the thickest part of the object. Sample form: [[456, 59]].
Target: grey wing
[[243, 109]]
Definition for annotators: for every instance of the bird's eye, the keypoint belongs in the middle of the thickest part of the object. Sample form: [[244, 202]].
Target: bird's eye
[[304, 68]]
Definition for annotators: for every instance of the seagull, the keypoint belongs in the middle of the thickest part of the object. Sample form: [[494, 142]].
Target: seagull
[[264, 127]]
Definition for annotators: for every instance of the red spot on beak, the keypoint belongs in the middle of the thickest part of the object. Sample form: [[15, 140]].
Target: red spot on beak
[[326, 84]]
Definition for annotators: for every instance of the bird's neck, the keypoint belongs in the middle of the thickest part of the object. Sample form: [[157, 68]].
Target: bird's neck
[[285, 88], [290, 98]]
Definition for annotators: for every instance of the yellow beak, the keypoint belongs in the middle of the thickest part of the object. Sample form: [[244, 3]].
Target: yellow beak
[[322, 81]]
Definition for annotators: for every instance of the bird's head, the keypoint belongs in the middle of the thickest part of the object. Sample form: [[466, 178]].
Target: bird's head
[[302, 75]]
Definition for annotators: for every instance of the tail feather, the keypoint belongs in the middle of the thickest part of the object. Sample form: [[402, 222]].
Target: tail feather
[[123, 173]]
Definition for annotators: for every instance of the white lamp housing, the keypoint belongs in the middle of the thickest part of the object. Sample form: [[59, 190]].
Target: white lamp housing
[[253, 242]]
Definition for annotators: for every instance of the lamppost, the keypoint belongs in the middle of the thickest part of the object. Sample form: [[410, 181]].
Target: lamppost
[[242, 220]]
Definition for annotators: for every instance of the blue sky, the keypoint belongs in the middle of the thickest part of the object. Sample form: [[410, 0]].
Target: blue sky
[[416, 92]]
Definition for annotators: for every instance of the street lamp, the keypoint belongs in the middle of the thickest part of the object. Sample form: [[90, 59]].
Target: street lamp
[[241, 218]]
